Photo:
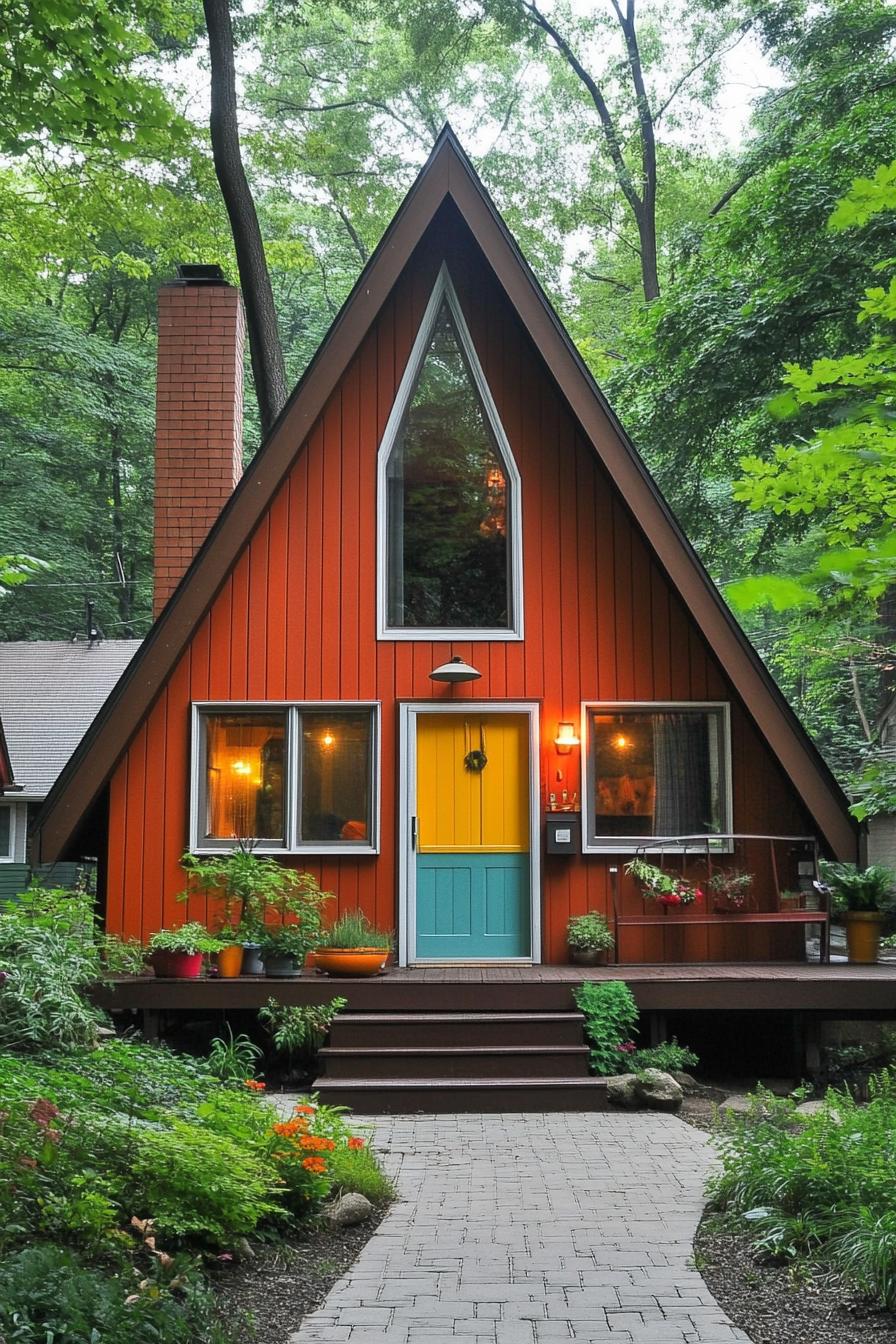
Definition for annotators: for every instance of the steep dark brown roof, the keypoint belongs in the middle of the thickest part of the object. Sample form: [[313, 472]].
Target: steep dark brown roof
[[447, 174]]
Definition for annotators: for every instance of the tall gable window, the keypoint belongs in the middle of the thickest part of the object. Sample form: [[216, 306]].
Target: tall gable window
[[449, 544]]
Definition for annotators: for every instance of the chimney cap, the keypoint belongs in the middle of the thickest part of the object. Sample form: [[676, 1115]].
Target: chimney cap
[[199, 273]]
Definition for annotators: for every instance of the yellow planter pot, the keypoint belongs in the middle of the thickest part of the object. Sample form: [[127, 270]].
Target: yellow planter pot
[[230, 961], [863, 935]]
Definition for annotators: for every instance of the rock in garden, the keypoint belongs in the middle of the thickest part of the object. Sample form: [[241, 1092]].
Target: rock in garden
[[350, 1210], [658, 1091], [688, 1084], [621, 1091], [739, 1102]]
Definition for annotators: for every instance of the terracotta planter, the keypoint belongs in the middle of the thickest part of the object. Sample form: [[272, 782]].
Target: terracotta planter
[[230, 961], [588, 956], [352, 961], [177, 965], [252, 963], [863, 935]]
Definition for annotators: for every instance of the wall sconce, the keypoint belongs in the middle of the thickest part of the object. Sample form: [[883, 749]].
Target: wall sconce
[[566, 738], [455, 670]]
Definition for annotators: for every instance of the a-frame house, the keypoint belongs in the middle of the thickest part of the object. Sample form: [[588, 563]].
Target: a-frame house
[[446, 482]]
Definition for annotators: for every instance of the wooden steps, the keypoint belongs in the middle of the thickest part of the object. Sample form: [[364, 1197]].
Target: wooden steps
[[382, 1063]]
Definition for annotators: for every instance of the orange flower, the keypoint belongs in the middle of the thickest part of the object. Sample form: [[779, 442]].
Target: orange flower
[[287, 1128], [316, 1165], [356, 1143], [316, 1143], [254, 1084], [304, 1110]]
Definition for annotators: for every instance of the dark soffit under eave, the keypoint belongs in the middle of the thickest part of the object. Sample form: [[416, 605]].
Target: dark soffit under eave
[[447, 172], [6, 775]]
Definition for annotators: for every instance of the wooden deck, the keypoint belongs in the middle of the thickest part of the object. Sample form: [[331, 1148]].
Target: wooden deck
[[731, 986]]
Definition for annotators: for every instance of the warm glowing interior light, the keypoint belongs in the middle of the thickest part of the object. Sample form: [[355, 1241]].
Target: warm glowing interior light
[[328, 739], [241, 768], [621, 741]]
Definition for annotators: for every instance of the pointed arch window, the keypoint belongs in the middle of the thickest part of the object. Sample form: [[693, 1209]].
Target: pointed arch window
[[449, 536]]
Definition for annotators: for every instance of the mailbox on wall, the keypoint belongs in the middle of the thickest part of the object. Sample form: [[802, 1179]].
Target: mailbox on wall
[[564, 832]]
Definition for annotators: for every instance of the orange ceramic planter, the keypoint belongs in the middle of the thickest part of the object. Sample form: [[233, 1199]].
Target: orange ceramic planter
[[863, 935], [230, 961], [352, 961]]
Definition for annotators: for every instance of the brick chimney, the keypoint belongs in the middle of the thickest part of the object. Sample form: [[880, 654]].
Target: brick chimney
[[199, 416]]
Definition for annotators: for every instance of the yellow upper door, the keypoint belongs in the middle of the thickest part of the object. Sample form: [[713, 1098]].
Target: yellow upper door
[[462, 808]]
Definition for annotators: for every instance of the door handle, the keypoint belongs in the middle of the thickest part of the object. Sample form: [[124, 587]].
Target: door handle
[[413, 833]]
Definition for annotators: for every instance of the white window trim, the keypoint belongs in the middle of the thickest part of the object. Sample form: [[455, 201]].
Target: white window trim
[[293, 709], [444, 289], [633, 844], [11, 856]]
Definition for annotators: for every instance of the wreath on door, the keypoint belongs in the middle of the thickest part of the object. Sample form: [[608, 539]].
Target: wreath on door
[[475, 760]]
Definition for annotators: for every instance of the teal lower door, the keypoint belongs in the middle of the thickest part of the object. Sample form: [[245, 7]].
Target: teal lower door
[[472, 862], [472, 905]]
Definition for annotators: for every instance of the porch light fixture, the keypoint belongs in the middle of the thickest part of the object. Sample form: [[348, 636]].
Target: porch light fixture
[[455, 671], [566, 738]]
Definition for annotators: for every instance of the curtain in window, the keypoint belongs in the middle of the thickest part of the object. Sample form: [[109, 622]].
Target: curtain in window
[[681, 766]]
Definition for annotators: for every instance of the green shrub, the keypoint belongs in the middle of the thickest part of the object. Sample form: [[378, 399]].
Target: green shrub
[[298, 1030], [49, 1296], [819, 1183], [192, 1182], [49, 955], [611, 1019], [121, 1078], [668, 1056]]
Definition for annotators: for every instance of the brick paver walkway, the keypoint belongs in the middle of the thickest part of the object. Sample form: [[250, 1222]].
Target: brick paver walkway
[[523, 1229]]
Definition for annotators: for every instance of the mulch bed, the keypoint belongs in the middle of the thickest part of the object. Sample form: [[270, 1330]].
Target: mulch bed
[[288, 1279], [775, 1304]]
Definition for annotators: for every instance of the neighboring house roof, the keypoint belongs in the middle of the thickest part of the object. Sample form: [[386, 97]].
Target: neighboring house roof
[[447, 180], [50, 691]]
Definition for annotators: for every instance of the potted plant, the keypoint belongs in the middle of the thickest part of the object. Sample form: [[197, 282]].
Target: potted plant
[[732, 890], [242, 889], [669, 890], [176, 954], [864, 897], [284, 948], [353, 946], [294, 900], [589, 939]]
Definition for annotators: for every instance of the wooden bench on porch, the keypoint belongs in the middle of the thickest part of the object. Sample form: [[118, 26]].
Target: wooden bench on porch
[[801, 850]]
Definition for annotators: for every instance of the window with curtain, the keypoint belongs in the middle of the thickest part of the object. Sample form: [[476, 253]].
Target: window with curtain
[[655, 771], [291, 778]]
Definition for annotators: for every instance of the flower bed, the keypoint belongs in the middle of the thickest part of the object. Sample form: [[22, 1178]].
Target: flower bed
[[127, 1170]]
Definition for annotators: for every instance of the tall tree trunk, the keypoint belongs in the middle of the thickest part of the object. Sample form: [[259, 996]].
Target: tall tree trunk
[[640, 194], [261, 318]]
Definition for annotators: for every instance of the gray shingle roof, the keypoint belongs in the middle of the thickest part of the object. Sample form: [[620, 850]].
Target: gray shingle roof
[[50, 691]]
